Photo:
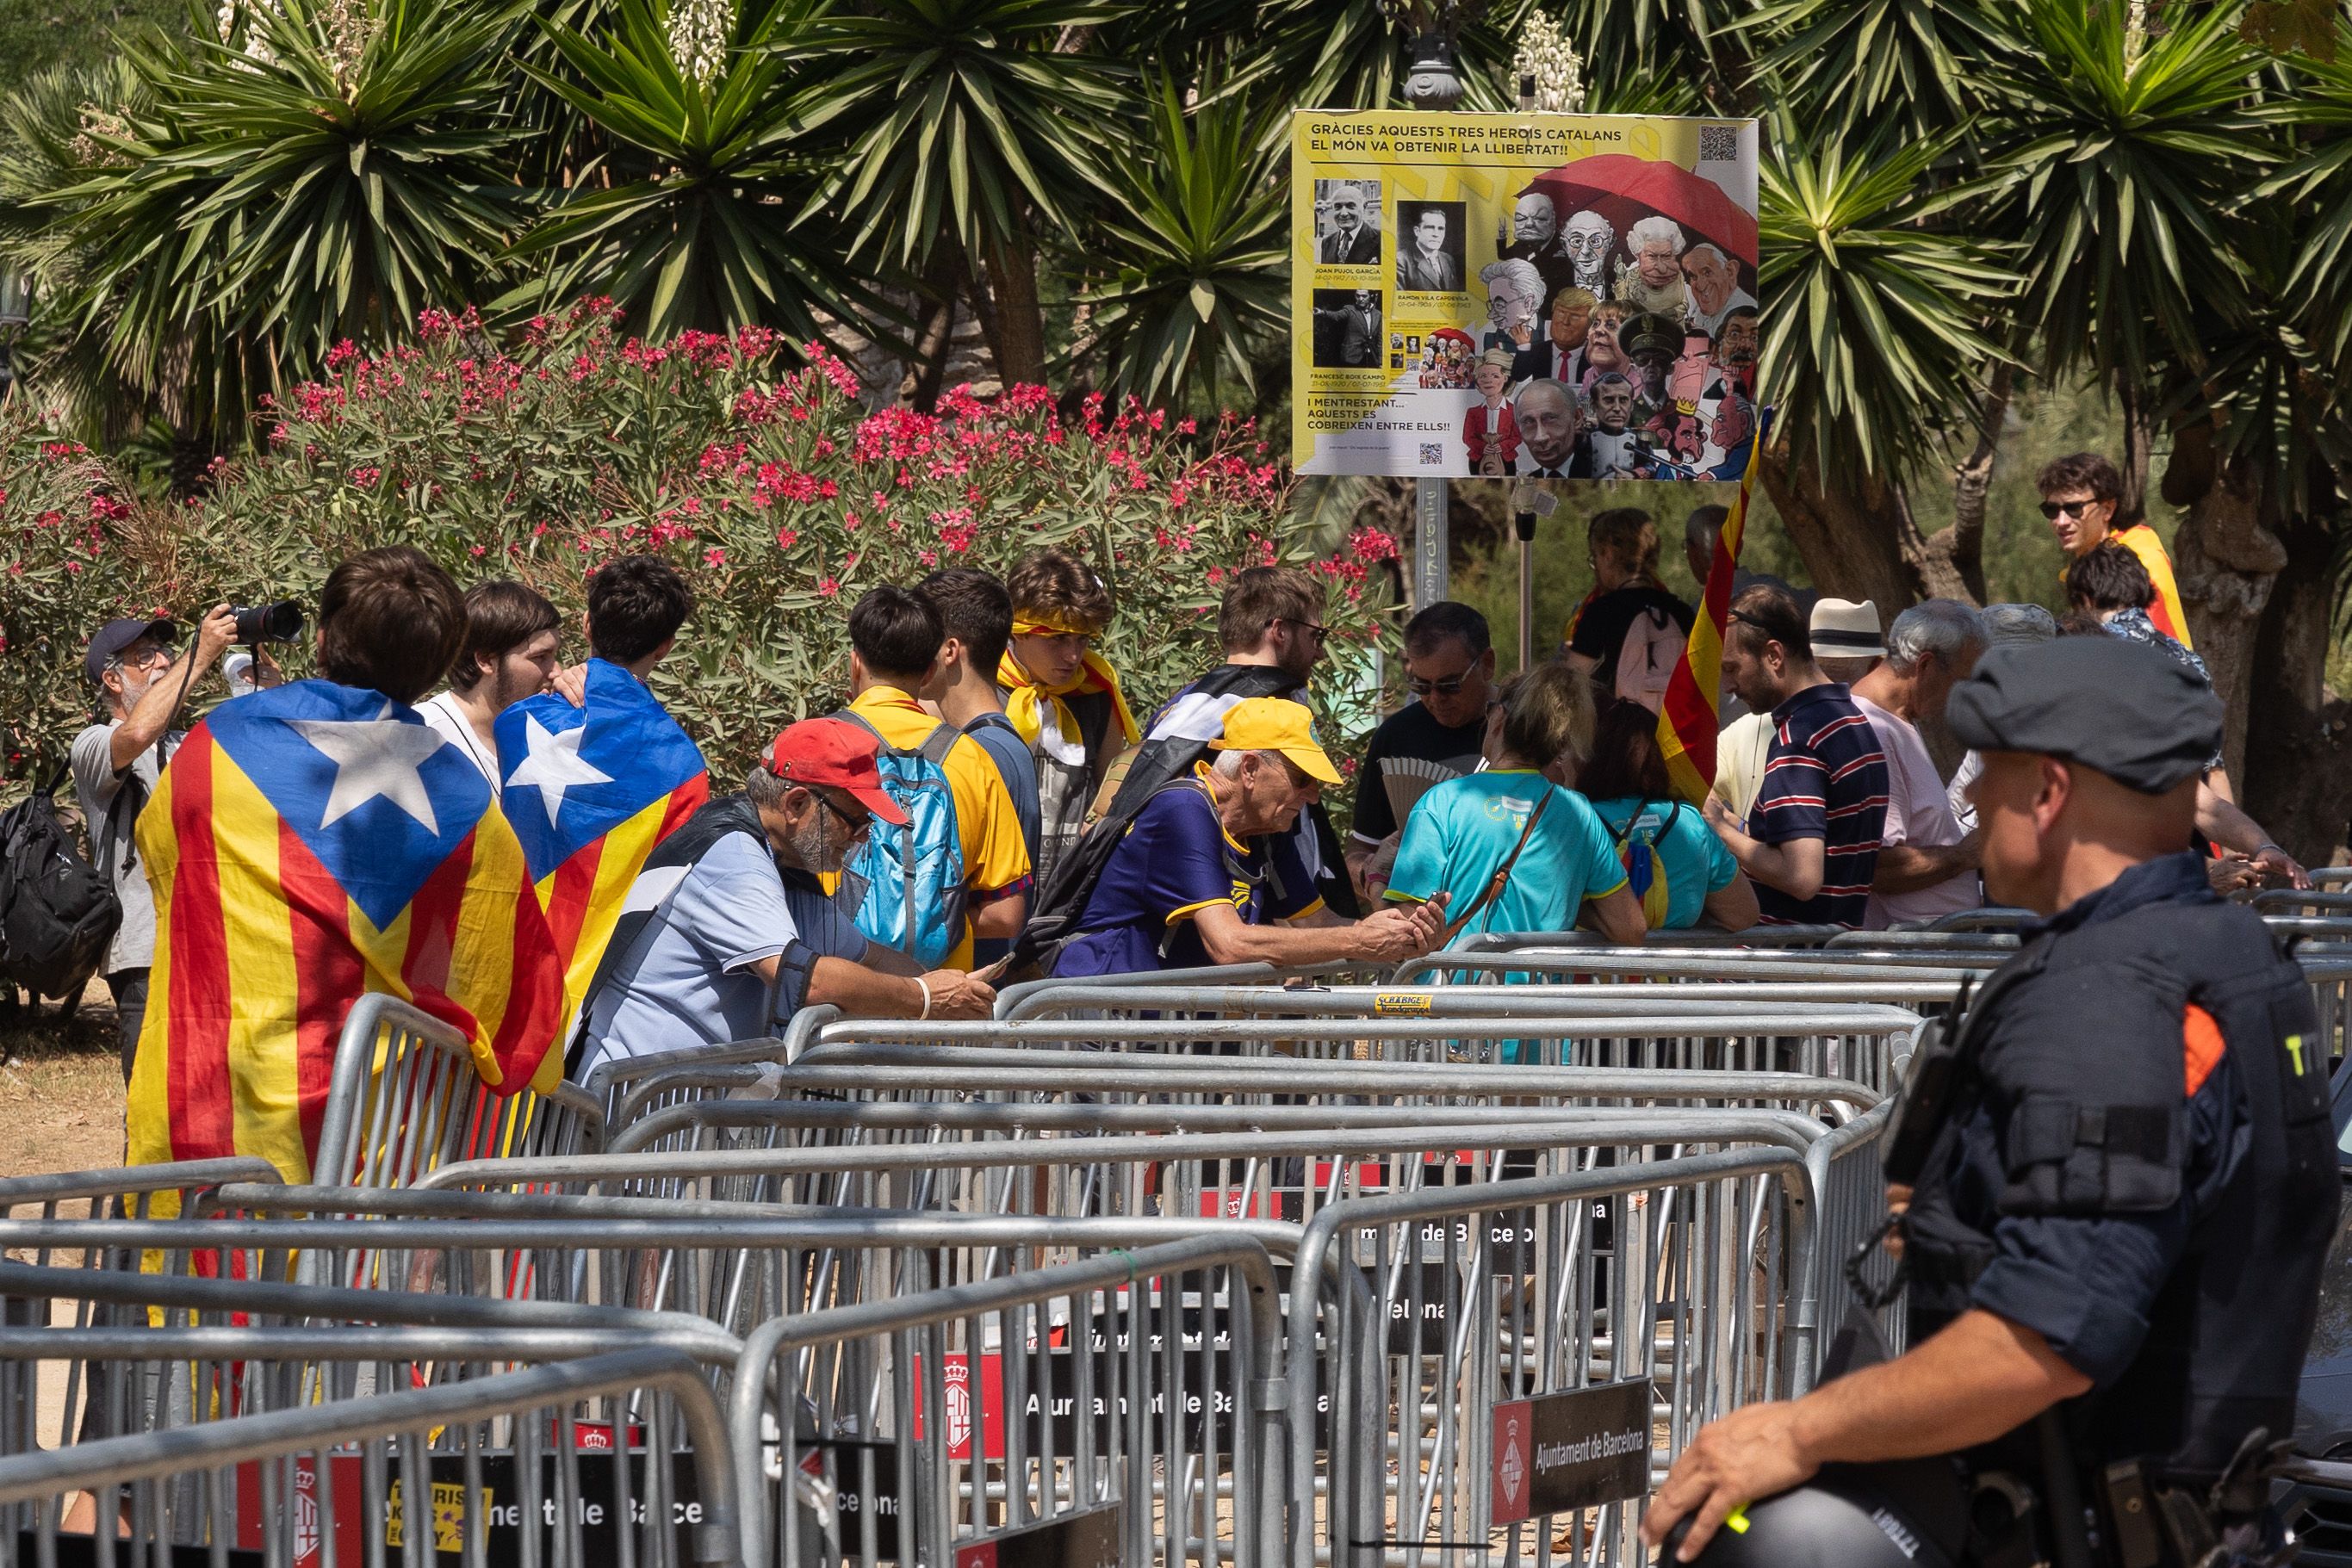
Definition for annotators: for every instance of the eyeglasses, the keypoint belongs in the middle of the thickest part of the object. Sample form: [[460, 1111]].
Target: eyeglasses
[[2054, 510], [132, 659], [858, 826], [1449, 686], [1322, 633]]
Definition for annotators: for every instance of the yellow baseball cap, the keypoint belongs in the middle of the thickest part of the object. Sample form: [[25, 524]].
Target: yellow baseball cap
[[1276, 724]]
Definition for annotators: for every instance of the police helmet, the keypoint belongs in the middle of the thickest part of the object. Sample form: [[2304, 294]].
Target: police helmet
[[1908, 1515]]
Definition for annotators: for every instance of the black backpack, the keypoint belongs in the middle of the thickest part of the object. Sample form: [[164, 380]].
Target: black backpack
[[58, 911]]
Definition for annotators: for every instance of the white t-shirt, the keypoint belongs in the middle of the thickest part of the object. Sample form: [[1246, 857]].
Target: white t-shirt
[[446, 719], [1918, 814], [1964, 810]]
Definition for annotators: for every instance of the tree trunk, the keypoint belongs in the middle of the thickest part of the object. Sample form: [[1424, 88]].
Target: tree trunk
[[2227, 564], [2298, 775], [1957, 553], [2139, 440], [938, 336], [1859, 541], [1015, 320]]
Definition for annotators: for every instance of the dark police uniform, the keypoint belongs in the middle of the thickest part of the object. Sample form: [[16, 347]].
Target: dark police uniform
[[2135, 1159]]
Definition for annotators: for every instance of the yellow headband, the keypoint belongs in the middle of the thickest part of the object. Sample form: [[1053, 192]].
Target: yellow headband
[[1045, 624]]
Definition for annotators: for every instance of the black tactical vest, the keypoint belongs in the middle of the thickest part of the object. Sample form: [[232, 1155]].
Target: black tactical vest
[[2094, 1123]]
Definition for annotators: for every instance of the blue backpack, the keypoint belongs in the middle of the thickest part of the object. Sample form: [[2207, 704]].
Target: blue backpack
[[908, 884], [1645, 870]]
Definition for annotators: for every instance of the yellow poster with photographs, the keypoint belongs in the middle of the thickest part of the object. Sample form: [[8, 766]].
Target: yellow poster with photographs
[[1566, 295]]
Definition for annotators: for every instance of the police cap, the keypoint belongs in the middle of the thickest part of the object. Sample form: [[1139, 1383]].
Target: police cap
[[2116, 706]]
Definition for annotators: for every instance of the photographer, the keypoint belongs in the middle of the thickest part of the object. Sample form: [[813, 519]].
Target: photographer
[[115, 763]]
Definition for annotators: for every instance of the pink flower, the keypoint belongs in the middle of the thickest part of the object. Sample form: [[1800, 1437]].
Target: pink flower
[[828, 587], [714, 556], [786, 538]]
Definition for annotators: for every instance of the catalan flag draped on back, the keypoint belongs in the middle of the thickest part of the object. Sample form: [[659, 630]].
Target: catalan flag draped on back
[[1687, 722], [308, 844], [591, 790]]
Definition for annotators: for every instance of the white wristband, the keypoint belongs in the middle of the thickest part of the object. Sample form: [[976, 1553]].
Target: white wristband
[[925, 986]]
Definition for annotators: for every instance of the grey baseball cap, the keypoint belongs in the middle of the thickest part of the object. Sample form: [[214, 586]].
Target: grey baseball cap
[[2116, 706]]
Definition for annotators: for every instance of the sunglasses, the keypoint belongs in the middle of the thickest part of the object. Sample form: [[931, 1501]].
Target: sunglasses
[[1322, 633], [2054, 510], [1449, 686]]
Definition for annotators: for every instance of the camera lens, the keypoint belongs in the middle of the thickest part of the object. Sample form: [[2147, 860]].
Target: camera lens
[[277, 622]]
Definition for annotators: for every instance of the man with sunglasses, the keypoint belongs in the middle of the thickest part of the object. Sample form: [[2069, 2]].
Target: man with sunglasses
[[116, 762], [1449, 669], [729, 932], [2079, 494]]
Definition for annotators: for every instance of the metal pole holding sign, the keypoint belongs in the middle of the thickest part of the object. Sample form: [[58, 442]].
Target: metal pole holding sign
[[1430, 542]]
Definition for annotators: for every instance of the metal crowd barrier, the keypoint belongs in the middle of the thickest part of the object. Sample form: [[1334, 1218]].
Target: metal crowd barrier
[[405, 1097], [1438, 1323], [1122, 1408], [1858, 1042], [129, 1192], [503, 1464]]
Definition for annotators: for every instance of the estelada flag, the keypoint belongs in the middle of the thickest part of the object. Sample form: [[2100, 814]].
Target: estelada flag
[[591, 790], [1688, 720], [308, 844]]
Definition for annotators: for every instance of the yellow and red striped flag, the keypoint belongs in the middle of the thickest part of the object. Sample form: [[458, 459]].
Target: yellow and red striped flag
[[591, 790], [1687, 722], [308, 844]]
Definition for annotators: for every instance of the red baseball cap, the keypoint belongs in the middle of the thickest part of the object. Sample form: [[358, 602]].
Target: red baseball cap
[[834, 751]]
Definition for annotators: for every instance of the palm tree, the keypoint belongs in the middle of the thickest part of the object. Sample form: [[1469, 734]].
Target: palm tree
[[1187, 268], [328, 173], [965, 129], [710, 223]]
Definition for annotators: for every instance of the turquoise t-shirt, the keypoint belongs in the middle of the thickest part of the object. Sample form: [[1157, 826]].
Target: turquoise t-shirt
[[1460, 832], [1696, 861]]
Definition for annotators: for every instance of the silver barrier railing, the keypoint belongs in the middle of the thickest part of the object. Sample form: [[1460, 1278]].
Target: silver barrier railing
[[1423, 1315], [1858, 1042], [129, 1191], [1131, 1425], [289, 1506], [1757, 938], [405, 1097]]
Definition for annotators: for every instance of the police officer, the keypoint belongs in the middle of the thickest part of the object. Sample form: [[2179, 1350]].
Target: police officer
[[2126, 1185]]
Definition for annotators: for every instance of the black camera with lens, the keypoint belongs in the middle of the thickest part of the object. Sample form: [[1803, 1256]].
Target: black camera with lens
[[278, 622]]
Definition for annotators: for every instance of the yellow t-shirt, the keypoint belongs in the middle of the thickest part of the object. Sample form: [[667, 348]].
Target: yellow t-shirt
[[995, 855]]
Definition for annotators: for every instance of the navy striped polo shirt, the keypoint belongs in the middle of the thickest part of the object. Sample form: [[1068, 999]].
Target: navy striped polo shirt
[[1824, 778]]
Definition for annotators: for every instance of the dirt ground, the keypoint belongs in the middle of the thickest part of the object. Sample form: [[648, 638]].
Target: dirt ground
[[61, 1091]]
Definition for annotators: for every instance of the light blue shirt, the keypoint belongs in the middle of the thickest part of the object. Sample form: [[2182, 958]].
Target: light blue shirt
[[1462, 831], [690, 980], [1696, 863]]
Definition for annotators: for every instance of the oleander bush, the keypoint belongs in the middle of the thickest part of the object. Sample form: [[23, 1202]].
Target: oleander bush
[[752, 464]]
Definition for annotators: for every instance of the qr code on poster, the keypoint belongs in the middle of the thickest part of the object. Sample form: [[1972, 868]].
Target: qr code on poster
[[1433, 453], [1718, 144]]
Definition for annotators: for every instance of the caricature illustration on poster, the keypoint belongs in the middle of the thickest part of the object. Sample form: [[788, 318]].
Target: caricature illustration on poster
[[1561, 295]]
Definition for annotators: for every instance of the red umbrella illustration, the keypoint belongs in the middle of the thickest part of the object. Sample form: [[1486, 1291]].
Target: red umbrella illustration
[[1624, 189]]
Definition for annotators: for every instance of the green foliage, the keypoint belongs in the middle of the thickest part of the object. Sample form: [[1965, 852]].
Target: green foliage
[[776, 492], [328, 173], [2115, 174], [40, 35], [65, 567], [958, 114], [715, 232], [1190, 280], [1916, 64], [1874, 321]]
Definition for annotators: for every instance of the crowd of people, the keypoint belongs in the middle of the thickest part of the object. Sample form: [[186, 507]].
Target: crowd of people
[[988, 803]]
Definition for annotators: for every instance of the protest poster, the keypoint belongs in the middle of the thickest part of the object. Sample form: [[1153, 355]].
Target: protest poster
[[1561, 295]]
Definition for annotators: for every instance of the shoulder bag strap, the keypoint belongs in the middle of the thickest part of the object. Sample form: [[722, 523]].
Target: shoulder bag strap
[[1503, 872]]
